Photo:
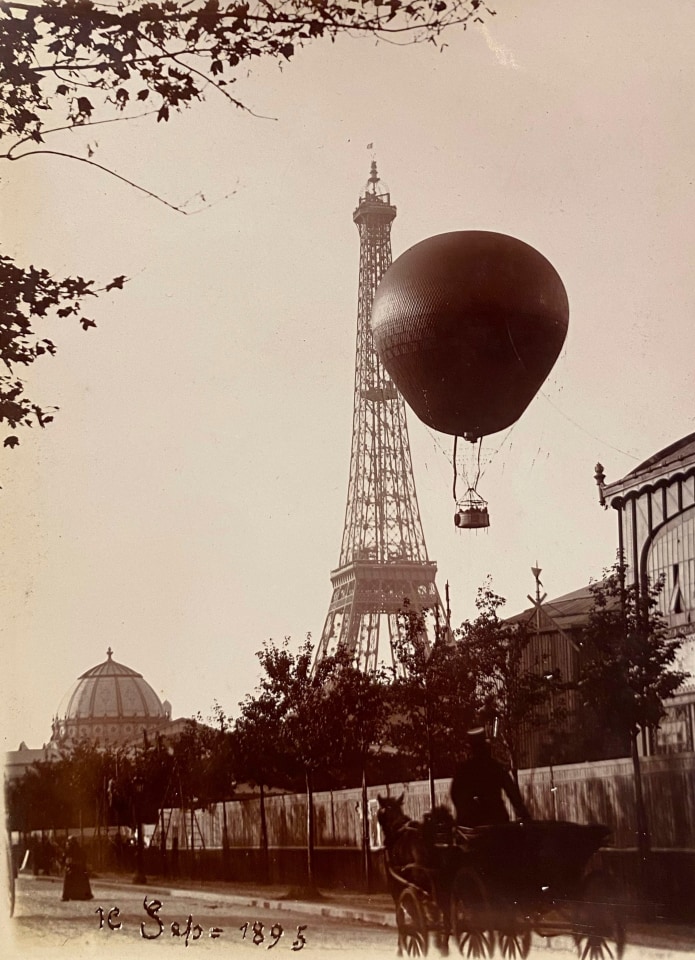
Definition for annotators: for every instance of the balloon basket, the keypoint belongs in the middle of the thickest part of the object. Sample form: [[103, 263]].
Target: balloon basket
[[471, 512]]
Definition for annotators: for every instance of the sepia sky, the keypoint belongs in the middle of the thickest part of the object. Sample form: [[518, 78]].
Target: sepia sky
[[188, 501]]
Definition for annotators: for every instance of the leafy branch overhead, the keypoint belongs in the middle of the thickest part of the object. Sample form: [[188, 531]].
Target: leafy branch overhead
[[67, 64], [28, 295], [89, 55]]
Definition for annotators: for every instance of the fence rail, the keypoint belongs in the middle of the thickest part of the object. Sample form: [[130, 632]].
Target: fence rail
[[601, 792]]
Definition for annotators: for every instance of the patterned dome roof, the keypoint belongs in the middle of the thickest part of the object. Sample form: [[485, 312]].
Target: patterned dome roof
[[111, 691]]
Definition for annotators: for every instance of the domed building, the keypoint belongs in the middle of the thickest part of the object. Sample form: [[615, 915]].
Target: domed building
[[110, 704]]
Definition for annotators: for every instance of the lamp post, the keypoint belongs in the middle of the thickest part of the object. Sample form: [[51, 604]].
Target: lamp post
[[139, 876]]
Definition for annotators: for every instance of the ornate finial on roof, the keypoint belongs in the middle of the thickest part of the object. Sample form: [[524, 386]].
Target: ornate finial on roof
[[109, 653], [600, 478]]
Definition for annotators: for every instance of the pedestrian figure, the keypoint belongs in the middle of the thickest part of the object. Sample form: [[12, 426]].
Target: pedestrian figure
[[478, 784], [76, 882]]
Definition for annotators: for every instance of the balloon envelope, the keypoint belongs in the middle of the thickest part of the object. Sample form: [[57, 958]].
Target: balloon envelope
[[468, 325]]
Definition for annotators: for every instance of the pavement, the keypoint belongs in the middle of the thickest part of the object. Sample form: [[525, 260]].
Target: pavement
[[358, 906], [376, 908]]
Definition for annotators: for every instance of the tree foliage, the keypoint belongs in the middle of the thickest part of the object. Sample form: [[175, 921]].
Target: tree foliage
[[308, 735], [77, 787], [302, 715], [628, 671], [480, 675], [630, 655], [362, 701], [38, 799], [434, 696], [83, 58], [91, 784], [28, 297], [514, 695], [257, 733], [68, 64]]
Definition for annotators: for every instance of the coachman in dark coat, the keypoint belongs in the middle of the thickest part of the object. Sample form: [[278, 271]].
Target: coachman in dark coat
[[478, 785]]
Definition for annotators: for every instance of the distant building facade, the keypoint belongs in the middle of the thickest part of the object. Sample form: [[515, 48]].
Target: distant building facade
[[567, 732], [109, 705], [655, 505]]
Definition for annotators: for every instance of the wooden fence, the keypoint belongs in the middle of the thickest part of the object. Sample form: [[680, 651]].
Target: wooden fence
[[601, 792], [604, 792]]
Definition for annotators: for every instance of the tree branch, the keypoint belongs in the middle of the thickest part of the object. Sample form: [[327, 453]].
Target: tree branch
[[72, 127], [225, 93], [99, 166], [376, 23], [126, 62]]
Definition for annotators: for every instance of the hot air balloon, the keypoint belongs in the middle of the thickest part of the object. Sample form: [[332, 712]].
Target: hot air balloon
[[468, 325]]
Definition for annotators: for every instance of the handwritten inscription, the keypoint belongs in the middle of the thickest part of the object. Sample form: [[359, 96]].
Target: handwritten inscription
[[153, 927], [274, 934]]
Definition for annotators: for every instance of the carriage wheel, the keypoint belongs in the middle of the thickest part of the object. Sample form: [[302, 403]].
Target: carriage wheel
[[515, 942], [471, 916], [413, 936], [599, 933]]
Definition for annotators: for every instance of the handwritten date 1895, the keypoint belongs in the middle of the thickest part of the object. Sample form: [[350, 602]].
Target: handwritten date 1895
[[153, 927]]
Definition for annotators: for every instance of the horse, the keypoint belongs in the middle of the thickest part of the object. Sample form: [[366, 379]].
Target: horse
[[403, 841], [420, 854]]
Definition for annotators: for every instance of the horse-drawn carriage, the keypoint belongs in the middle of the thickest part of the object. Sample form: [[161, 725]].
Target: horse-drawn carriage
[[492, 887]]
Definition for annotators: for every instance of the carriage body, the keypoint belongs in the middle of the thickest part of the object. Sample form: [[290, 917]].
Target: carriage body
[[497, 885], [529, 877], [532, 863]]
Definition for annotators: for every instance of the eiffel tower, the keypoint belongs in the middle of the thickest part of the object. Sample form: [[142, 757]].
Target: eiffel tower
[[383, 557]]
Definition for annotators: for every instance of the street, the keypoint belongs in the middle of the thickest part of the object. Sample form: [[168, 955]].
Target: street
[[44, 927], [117, 924]]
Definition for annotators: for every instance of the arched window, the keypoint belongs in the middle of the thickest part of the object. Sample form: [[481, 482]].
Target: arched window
[[671, 558]]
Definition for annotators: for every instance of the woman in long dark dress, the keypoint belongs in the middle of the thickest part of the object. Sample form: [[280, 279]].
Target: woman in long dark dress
[[76, 882]]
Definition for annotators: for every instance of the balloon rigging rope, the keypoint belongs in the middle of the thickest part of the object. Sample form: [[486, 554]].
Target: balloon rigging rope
[[455, 444], [562, 413], [471, 486], [495, 452], [584, 430]]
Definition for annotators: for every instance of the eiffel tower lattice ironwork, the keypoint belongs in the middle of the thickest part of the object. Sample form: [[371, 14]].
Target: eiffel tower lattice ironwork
[[383, 557]]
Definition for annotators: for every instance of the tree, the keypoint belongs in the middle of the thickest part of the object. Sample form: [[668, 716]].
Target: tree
[[628, 670], [211, 750], [257, 740], [512, 697], [309, 730], [223, 772], [434, 696], [362, 701], [68, 64], [37, 800], [83, 782]]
